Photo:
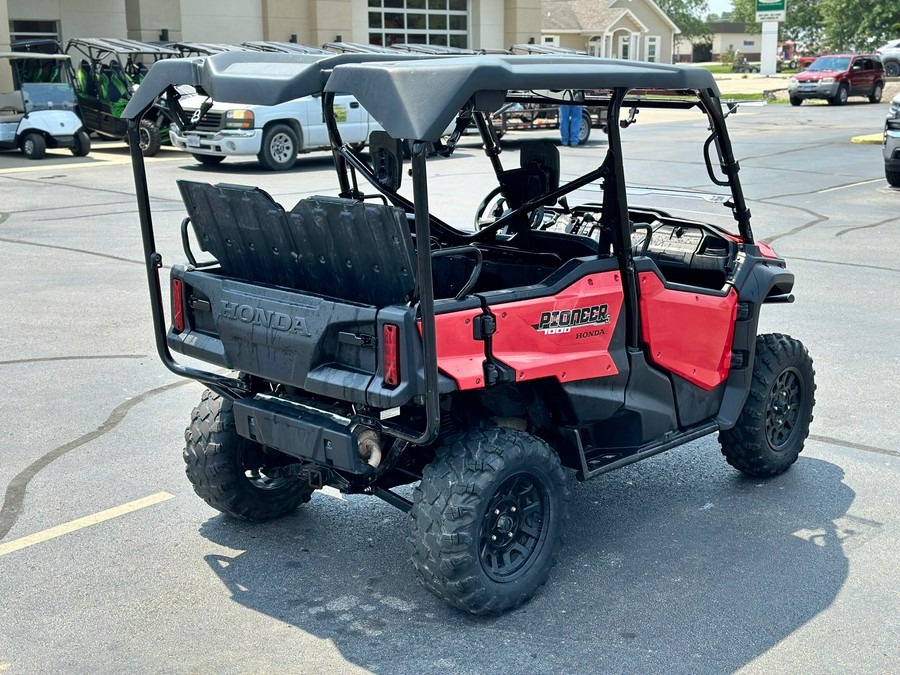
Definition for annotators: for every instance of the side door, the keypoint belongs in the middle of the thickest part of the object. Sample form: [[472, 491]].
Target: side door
[[858, 77]]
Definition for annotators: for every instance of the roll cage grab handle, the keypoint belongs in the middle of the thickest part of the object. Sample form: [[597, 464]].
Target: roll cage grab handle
[[228, 387]]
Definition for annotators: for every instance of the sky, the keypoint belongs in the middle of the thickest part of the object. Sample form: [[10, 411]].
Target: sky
[[719, 6]]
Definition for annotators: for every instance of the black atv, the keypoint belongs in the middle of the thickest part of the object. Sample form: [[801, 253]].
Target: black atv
[[375, 345], [107, 72]]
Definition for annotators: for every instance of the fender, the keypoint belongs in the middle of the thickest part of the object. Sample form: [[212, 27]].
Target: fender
[[758, 279]]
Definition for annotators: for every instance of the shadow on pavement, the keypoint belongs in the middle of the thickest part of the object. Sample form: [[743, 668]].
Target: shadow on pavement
[[657, 575]]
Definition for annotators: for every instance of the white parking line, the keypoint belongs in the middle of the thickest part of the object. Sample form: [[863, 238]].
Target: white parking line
[[80, 523]]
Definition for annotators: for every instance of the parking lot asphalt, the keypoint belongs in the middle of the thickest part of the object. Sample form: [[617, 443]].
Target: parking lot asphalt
[[109, 563]]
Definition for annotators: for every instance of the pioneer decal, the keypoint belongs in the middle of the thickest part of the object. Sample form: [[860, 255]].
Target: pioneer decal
[[563, 321], [257, 316]]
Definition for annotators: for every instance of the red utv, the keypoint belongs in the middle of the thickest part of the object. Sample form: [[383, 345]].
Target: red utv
[[372, 344]]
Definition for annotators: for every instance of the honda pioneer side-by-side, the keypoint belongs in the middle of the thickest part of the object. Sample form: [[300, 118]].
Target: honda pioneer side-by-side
[[482, 356]]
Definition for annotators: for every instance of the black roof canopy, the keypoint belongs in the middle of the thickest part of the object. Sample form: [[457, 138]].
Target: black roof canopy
[[256, 78], [419, 99]]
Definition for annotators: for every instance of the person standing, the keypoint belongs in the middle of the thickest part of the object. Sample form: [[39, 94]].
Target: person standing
[[570, 117]]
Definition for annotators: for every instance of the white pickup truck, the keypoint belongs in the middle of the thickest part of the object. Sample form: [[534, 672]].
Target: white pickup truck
[[274, 134]]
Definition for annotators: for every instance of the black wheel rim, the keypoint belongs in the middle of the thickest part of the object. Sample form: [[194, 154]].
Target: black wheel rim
[[514, 527], [783, 410]]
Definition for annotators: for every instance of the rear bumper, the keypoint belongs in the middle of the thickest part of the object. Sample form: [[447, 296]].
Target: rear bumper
[[299, 431]]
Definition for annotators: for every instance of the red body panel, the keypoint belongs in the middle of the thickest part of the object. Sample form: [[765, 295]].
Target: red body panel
[[688, 333], [459, 354], [566, 336]]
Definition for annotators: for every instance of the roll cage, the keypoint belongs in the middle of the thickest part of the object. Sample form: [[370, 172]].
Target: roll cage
[[432, 91]]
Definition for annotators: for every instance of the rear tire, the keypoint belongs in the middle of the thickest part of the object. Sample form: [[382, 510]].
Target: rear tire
[[893, 177], [279, 148], [487, 519], [892, 69], [228, 471], [82, 144], [877, 91], [34, 146], [150, 138], [774, 423], [208, 160]]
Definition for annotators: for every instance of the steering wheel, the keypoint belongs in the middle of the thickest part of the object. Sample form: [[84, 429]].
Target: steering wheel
[[495, 205]]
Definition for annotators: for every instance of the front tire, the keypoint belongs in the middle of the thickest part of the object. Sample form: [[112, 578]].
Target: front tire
[[487, 519], [150, 138], [34, 146], [892, 69], [796, 100], [279, 148], [774, 423], [840, 98], [893, 177], [229, 472], [82, 144]]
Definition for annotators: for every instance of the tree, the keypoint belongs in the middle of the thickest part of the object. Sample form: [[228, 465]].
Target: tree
[[859, 24], [803, 23], [832, 24], [688, 16]]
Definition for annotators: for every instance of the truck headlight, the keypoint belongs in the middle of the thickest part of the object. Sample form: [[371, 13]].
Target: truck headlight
[[239, 119], [826, 80]]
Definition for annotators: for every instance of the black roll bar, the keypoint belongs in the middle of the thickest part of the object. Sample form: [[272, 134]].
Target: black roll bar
[[227, 387]]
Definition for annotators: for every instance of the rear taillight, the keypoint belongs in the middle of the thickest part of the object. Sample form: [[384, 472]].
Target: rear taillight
[[178, 305], [390, 354]]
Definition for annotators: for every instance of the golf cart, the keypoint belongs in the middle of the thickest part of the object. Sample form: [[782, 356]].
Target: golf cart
[[482, 356], [40, 111], [107, 74]]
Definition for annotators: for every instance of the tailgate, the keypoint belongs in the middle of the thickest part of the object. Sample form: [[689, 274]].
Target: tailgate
[[320, 345]]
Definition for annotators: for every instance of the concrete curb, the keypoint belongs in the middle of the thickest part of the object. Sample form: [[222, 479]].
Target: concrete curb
[[874, 139]]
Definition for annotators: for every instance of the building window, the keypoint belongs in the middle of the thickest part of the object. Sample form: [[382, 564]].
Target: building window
[[33, 30], [434, 22], [625, 46], [551, 40], [651, 48]]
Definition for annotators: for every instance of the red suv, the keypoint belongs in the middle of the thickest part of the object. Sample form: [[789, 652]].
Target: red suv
[[838, 76]]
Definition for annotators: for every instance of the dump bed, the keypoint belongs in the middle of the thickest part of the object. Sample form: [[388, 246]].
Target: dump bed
[[301, 297]]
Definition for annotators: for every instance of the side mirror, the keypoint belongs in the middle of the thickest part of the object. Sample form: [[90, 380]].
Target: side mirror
[[386, 153]]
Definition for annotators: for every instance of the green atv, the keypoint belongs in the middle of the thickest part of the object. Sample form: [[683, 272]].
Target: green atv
[[109, 72]]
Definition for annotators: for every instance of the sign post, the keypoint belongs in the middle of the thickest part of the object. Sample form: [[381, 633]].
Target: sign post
[[769, 13]]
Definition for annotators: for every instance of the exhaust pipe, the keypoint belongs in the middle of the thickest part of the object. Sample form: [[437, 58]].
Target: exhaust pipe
[[369, 446]]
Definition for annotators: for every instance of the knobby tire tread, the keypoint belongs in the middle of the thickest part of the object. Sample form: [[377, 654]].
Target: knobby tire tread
[[745, 446]]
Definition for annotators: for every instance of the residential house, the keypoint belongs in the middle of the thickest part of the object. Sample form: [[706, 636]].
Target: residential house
[[621, 29], [725, 37]]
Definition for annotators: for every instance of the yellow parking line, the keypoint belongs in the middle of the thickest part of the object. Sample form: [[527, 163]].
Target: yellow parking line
[[80, 523], [96, 159]]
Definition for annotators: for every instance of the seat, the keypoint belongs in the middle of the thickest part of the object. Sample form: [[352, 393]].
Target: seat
[[12, 107], [84, 80], [355, 251]]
